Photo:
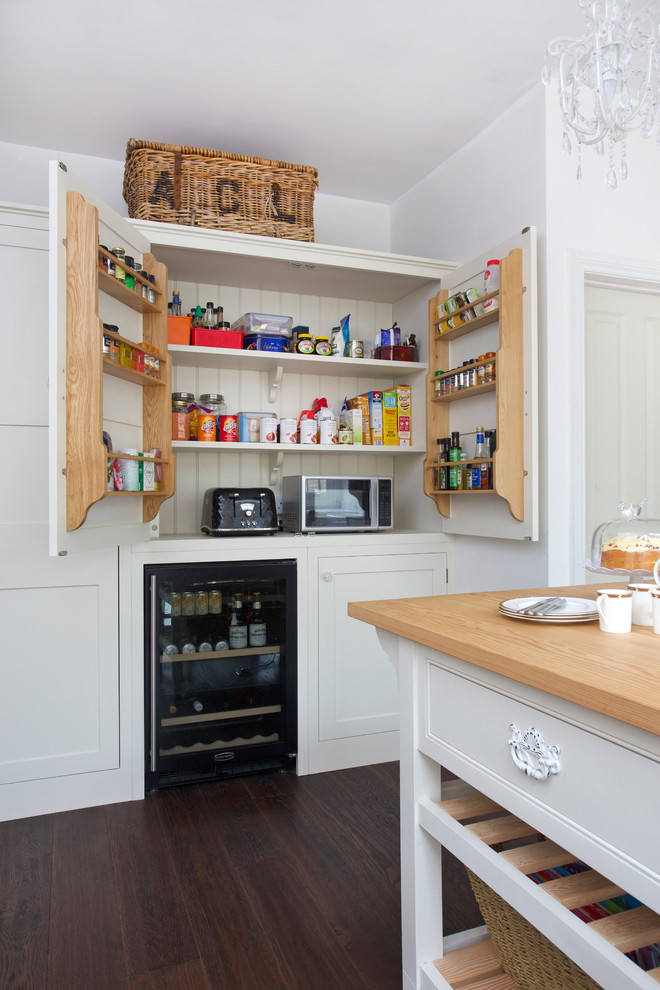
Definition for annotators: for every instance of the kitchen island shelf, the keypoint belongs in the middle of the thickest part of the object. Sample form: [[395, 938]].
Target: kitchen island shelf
[[512, 853]]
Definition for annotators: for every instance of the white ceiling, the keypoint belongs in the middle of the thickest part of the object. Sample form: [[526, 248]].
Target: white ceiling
[[373, 93]]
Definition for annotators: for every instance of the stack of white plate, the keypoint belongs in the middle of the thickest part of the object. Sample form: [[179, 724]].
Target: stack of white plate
[[572, 610]]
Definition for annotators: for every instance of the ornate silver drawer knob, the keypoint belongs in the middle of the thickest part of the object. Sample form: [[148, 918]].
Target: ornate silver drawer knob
[[532, 754]]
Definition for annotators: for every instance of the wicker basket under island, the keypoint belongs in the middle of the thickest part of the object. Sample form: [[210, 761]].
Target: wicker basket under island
[[178, 184]]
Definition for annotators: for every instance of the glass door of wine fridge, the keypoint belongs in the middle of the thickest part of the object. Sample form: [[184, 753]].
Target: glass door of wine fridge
[[220, 669]]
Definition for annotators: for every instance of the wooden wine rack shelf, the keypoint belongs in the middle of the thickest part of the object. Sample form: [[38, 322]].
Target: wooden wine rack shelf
[[518, 844]]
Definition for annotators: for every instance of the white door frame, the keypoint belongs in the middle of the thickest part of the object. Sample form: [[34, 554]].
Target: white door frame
[[632, 275]]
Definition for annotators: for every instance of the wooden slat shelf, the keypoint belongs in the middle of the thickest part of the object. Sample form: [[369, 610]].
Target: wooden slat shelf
[[117, 370], [465, 393], [478, 321], [129, 297], [220, 716], [252, 651], [475, 967]]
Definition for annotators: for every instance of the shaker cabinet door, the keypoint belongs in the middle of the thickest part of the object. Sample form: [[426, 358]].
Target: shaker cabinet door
[[357, 694]]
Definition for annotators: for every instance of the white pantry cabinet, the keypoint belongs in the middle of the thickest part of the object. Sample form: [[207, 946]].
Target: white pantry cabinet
[[76, 736]]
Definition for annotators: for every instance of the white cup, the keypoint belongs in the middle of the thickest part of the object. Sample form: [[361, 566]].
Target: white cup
[[655, 609], [614, 610], [642, 605]]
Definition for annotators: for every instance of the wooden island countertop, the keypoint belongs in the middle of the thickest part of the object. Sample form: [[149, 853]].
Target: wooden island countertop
[[617, 675]]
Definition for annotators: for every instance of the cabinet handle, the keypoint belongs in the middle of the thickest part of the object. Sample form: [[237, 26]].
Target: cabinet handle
[[327, 576], [532, 754]]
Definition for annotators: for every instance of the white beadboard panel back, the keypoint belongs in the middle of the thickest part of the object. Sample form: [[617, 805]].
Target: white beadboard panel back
[[319, 313]]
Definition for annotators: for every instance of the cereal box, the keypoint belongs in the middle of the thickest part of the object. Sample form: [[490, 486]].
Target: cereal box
[[390, 418], [403, 409], [361, 402], [375, 400]]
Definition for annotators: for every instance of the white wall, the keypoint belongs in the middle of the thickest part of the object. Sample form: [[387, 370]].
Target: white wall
[[584, 220], [24, 179], [483, 195]]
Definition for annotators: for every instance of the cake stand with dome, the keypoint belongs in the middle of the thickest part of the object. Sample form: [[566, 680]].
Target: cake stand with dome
[[628, 545]]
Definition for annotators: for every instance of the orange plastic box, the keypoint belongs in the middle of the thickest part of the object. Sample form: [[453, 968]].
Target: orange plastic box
[[178, 329], [200, 337]]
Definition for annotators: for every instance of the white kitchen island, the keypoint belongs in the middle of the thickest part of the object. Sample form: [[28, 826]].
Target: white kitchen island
[[469, 677]]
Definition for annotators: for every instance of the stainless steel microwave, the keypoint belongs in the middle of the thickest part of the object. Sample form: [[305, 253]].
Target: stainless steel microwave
[[319, 503]]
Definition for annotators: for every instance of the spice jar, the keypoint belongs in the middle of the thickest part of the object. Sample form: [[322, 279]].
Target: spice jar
[[120, 274], [213, 405], [180, 415], [489, 367]]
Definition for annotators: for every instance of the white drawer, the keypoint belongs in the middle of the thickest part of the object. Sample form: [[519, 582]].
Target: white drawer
[[609, 787]]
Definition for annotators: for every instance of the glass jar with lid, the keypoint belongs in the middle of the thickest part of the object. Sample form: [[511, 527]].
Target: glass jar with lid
[[216, 405], [627, 545], [180, 415]]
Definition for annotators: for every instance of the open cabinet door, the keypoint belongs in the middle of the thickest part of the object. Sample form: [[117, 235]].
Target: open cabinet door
[[92, 395], [507, 404]]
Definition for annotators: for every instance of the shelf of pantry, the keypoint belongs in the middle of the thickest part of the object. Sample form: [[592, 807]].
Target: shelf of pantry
[[279, 450], [129, 297], [294, 448], [298, 364]]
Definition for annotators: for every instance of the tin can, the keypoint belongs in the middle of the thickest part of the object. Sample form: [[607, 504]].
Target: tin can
[[355, 349], [308, 431], [328, 431], [471, 296], [188, 603], [215, 601], [201, 603], [288, 431], [175, 603], [268, 429], [228, 429], [206, 427]]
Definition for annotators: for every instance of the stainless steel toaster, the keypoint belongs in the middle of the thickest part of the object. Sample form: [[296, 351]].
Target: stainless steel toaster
[[239, 512]]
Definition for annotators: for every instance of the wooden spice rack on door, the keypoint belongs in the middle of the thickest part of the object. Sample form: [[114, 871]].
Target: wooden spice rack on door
[[508, 463], [86, 454]]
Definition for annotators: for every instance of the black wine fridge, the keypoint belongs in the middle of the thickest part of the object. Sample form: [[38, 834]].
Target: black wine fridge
[[220, 670]]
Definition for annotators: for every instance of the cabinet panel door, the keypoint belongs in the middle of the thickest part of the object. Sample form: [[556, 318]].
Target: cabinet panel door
[[111, 521], [358, 692]]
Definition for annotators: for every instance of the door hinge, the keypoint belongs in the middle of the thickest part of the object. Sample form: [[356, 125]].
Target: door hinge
[[63, 166]]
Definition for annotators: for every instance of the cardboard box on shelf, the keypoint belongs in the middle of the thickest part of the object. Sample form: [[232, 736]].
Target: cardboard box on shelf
[[375, 399], [404, 414], [390, 418], [361, 402]]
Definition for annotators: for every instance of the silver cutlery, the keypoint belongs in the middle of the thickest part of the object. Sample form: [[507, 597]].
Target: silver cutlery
[[543, 607]]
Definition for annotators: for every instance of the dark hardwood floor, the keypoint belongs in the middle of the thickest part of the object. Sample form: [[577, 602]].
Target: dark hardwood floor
[[270, 882]]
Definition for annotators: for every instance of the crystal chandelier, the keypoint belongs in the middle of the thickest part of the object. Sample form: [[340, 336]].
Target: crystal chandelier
[[608, 79]]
